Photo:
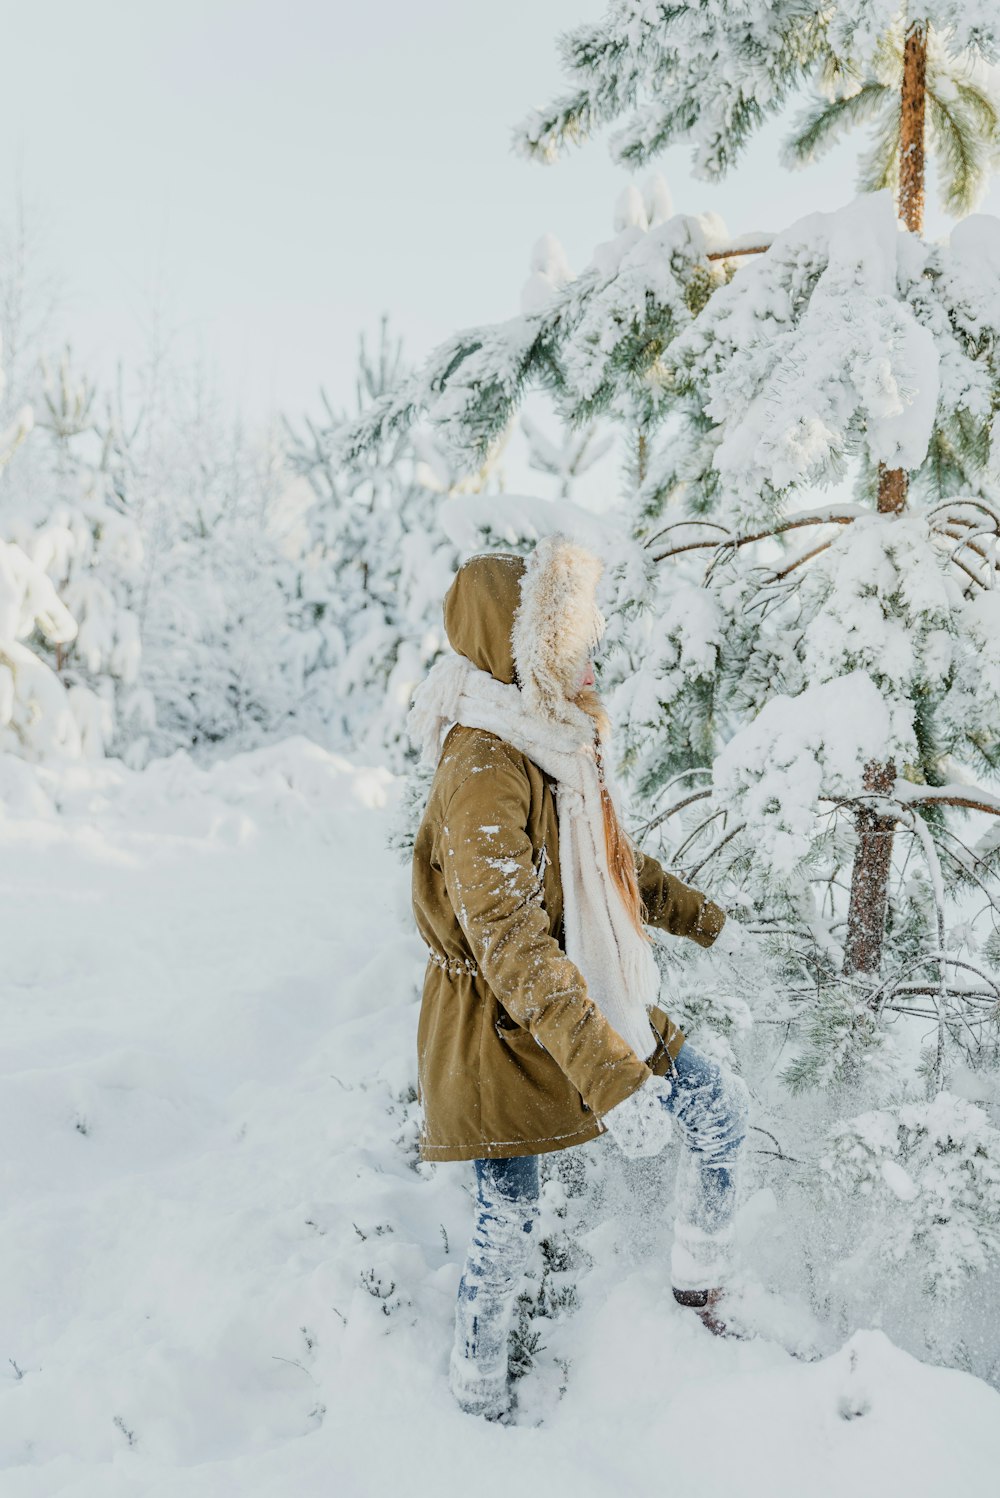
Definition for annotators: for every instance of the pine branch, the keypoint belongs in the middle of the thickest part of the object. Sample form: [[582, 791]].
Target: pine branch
[[953, 506], [819, 126], [602, 64], [677, 56], [693, 873], [973, 799], [754, 249], [878, 167], [829, 515], [391, 413], [671, 811], [957, 138], [570, 120], [693, 837], [967, 873], [804, 556]]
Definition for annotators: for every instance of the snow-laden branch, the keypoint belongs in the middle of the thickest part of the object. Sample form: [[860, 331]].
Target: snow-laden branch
[[906, 793], [951, 509], [760, 248], [833, 514]]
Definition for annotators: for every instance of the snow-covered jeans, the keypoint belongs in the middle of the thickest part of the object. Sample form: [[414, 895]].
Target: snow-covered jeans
[[709, 1107]]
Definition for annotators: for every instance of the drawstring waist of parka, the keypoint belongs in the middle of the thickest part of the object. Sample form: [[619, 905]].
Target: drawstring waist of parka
[[453, 966], [457, 966]]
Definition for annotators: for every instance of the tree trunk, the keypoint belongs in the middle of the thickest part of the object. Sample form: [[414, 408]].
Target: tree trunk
[[911, 129], [869, 897], [870, 877], [892, 486]]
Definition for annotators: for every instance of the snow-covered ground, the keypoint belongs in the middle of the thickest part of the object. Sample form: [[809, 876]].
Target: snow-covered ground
[[223, 1270]]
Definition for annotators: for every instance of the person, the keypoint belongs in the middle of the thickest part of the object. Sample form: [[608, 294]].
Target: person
[[538, 1027]]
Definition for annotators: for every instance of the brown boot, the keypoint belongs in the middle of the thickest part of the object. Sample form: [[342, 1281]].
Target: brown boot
[[705, 1304]]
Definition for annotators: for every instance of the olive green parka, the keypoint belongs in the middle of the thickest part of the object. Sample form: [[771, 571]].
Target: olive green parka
[[513, 1056]]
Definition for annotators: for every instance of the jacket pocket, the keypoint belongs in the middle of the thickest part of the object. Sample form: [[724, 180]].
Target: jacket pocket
[[512, 1034], [517, 1038], [504, 1023]]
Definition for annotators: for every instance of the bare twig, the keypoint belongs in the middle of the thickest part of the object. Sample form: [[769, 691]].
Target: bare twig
[[664, 816], [693, 873], [777, 1146], [678, 854]]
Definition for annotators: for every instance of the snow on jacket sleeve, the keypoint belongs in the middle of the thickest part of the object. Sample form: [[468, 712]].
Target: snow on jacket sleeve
[[485, 855], [674, 906]]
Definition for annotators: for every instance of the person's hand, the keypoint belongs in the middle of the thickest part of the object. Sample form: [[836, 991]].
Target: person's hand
[[640, 1124], [733, 940]]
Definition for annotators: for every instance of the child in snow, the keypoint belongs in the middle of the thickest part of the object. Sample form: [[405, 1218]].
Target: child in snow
[[538, 1028]]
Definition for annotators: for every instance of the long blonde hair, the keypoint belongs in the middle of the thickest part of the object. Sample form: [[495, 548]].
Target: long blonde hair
[[620, 847]]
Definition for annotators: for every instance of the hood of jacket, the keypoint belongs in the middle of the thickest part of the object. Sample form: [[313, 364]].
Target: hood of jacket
[[531, 621], [479, 610]]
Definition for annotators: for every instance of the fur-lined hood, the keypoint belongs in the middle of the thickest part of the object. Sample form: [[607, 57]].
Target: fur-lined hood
[[530, 620]]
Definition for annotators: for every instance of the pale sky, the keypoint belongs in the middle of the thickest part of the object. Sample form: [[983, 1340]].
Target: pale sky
[[278, 174]]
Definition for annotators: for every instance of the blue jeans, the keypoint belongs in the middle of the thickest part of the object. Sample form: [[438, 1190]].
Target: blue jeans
[[709, 1107]]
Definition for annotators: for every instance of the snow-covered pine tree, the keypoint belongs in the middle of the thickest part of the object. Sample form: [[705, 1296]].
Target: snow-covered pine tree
[[224, 662], [808, 636], [214, 508], [36, 718], [713, 74], [58, 509], [90, 545], [375, 567]]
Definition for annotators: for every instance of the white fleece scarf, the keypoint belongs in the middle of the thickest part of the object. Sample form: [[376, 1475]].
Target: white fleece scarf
[[616, 961]]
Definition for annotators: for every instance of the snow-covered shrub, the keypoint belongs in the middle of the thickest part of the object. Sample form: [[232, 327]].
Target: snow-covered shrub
[[60, 507], [928, 1175], [70, 647]]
